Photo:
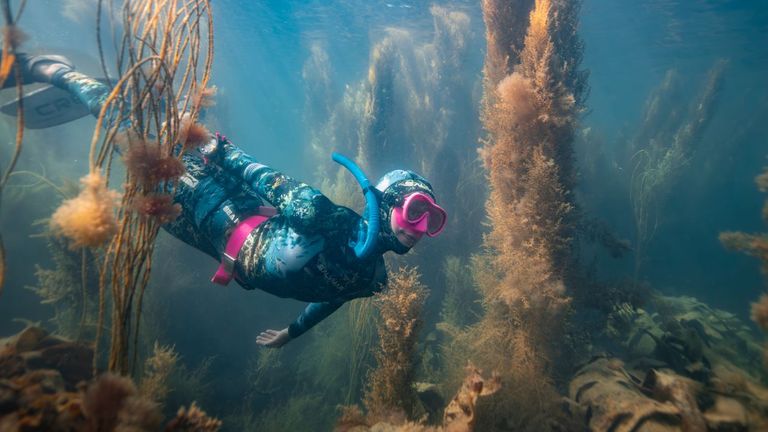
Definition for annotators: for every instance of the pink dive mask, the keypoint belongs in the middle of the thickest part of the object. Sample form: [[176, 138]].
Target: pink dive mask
[[420, 214]]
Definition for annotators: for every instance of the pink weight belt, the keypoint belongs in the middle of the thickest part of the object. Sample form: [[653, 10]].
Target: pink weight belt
[[235, 242]]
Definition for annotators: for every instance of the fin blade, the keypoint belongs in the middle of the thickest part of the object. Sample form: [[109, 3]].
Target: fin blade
[[47, 107]]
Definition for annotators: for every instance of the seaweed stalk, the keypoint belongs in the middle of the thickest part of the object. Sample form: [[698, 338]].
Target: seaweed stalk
[[164, 61], [12, 37]]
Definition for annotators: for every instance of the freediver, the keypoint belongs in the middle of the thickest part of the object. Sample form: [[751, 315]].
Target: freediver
[[301, 245]]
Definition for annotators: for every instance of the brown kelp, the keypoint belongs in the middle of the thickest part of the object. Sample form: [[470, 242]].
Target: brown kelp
[[530, 116], [530, 112], [458, 416], [163, 62], [12, 38], [390, 384]]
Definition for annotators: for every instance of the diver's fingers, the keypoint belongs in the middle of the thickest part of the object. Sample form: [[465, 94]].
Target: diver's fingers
[[273, 333], [264, 341], [266, 337]]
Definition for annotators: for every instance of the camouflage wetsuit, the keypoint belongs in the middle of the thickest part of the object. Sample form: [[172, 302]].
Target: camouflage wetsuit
[[303, 252]]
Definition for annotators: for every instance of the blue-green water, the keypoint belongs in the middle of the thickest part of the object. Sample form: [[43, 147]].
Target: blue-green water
[[267, 106]]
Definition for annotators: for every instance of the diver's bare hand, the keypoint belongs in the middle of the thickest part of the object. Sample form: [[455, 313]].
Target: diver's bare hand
[[273, 338]]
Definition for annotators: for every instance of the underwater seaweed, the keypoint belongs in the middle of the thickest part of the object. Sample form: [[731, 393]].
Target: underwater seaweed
[[458, 416], [158, 368], [529, 113], [88, 220], [12, 37], [164, 55], [460, 296], [340, 354], [205, 97], [316, 75], [757, 246], [361, 324], [529, 158], [663, 146], [46, 383], [104, 399], [505, 25], [146, 163], [69, 287], [759, 312], [193, 419], [190, 383], [291, 415], [193, 135], [159, 207], [383, 141], [390, 384]]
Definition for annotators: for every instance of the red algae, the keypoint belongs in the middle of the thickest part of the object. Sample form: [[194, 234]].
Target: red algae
[[157, 206]]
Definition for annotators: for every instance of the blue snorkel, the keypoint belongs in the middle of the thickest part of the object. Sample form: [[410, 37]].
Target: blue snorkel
[[363, 248]]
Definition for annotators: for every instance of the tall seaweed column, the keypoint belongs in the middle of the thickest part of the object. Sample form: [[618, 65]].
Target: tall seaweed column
[[531, 106], [530, 116], [382, 138]]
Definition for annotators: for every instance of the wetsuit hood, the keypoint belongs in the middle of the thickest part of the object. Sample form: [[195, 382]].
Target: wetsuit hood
[[393, 187]]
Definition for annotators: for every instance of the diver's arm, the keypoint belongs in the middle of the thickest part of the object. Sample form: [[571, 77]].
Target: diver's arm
[[312, 314]]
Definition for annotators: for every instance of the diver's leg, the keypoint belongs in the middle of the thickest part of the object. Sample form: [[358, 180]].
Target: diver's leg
[[199, 196], [90, 91], [59, 71], [198, 192], [233, 160]]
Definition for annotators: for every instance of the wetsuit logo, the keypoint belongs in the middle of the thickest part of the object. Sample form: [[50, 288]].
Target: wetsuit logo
[[189, 180], [329, 278]]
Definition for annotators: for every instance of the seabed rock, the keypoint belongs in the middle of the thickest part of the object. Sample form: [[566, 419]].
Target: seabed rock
[[686, 368], [46, 384], [613, 399], [39, 376]]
